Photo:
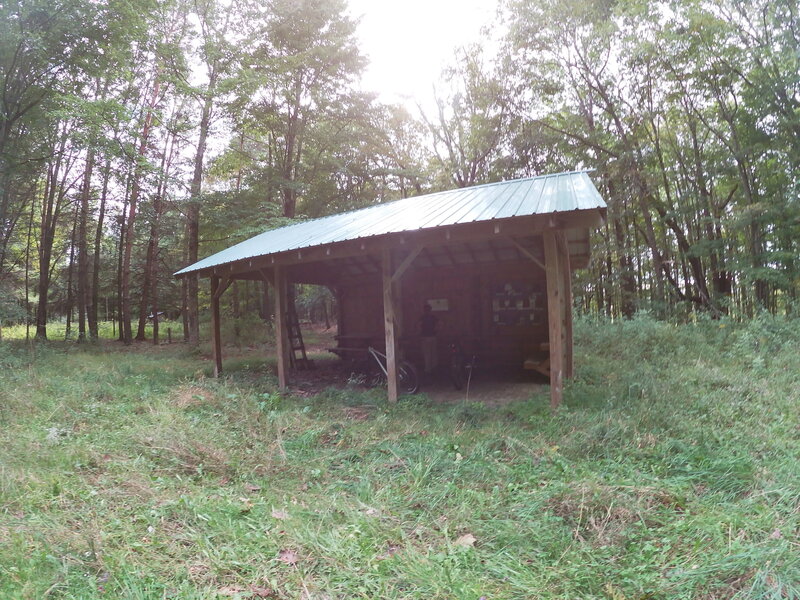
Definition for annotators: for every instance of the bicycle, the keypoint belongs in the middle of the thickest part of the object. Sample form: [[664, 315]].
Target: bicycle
[[460, 370], [407, 377]]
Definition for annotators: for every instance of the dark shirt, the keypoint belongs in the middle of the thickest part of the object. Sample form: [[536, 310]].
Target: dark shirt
[[427, 325]]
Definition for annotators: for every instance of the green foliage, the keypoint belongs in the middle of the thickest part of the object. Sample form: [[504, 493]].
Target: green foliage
[[670, 471], [472, 121], [689, 113]]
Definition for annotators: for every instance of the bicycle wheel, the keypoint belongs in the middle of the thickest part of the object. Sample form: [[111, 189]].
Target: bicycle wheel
[[407, 378], [457, 374]]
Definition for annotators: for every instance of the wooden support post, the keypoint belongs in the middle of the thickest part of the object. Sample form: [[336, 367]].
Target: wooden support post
[[555, 312], [397, 291], [281, 338], [397, 295], [224, 284], [389, 301], [566, 271], [216, 340]]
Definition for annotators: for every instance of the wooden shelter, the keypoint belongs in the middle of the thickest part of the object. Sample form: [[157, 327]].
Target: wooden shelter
[[493, 261]]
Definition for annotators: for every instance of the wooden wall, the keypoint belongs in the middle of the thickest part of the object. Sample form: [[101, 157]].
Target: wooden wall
[[498, 311]]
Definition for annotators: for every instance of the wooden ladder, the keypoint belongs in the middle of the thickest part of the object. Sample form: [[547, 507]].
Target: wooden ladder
[[295, 336]]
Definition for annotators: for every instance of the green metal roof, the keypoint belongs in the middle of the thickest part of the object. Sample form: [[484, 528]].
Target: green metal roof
[[562, 192]]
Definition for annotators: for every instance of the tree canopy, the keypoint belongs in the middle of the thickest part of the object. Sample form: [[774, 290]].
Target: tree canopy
[[137, 136]]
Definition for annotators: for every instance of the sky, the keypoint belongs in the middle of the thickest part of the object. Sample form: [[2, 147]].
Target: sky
[[408, 43]]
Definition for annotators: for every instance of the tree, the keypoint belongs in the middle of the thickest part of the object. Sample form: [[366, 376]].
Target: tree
[[217, 56], [472, 120], [298, 76], [41, 45], [664, 102], [166, 51]]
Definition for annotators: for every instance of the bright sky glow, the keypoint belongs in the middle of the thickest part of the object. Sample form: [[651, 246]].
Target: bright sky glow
[[408, 42]]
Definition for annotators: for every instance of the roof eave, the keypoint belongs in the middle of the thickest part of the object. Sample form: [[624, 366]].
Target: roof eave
[[590, 218]]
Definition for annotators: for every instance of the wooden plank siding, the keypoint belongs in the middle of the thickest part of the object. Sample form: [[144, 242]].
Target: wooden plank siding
[[468, 290]]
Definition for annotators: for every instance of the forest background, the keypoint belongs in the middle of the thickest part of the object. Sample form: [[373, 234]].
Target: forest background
[[139, 135]]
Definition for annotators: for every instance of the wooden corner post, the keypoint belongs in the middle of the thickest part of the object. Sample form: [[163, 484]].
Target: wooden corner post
[[216, 339], [281, 338], [557, 310], [389, 310], [566, 274]]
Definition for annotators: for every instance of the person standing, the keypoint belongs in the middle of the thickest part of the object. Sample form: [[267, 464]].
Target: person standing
[[427, 330]]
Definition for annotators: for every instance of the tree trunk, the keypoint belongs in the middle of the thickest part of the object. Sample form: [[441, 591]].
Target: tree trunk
[[70, 271], [55, 191], [98, 238], [120, 252], [84, 297], [236, 312], [125, 299], [151, 267], [193, 214], [152, 251], [292, 151], [27, 274]]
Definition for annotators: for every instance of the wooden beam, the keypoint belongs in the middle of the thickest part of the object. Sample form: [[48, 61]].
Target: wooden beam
[[224, 285], [216, 340], [566, 273], [350, 262], [450, 256], [281, 337], [527, 253], [389, 301], [267, 276], [555, 311], [398, 273], [429, 257]]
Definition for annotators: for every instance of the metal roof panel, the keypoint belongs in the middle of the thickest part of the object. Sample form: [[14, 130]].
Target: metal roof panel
[[520, 197]]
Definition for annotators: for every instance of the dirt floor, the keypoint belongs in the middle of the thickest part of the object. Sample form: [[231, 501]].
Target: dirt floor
[[490, 386]]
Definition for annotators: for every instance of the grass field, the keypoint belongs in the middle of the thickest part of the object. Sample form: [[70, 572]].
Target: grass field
[[671, 471]]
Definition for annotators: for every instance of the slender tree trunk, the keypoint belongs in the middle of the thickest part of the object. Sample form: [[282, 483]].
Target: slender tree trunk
[[84, 296], [236, 313], [627, 279], [98, 238], [27, 273], [154, 291], [55, 192], [120, 252], [127, 334], [193, 214], [145, 293], [608, 274], [70, 271], [150, 288], [184, 309], [292, 151]]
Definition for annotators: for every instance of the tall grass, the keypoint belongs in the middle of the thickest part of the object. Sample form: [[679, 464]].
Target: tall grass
[[106, 330], [670, 471]]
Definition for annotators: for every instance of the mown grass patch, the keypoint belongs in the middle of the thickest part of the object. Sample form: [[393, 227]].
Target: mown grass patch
[[671, 471]]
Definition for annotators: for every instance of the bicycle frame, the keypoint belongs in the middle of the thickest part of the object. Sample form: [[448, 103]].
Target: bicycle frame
[[375, 354], [406, 374], [461, 370]]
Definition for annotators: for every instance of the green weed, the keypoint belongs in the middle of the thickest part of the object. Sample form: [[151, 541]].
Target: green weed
[[670, 471]]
